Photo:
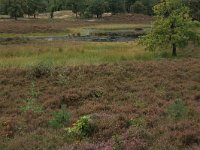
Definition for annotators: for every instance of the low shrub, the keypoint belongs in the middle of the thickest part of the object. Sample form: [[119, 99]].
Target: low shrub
[[41, 69], [177, 110], [59, 119], [137, 122], [82, 128]]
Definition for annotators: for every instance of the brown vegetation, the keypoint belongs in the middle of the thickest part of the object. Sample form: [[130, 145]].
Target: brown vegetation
[[116, 95], [47, 25]]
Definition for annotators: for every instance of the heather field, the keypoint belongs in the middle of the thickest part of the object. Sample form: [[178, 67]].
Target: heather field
[[87, 84], [135, 105]]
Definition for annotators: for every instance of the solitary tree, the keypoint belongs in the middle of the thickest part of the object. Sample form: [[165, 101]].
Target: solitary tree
[[173, 27]]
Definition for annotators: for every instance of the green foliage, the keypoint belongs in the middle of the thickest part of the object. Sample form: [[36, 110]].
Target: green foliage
[[137, 122], [79, 7], [172, 28], [96, 93], [118, 143], [97, 7], [61, 79], [59, 119], [87, 8], [15, 10], [43, 68], [195, 8], [177, 110], [116, 6], [35, 6], [138, 7], [82, 128], [31, 103], [139, 104]]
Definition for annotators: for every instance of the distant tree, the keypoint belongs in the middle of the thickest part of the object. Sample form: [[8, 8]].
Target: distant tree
[[138, 7], [173, 27], [97, 7], [149, 5], [128, 4], [15, 9], [116, 6], [195, 8], [35, 6], [79, 7]]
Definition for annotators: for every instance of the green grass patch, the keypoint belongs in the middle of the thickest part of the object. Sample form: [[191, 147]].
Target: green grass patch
[[79, 53]]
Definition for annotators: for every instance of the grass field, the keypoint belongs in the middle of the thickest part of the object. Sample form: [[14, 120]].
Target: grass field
[[72, 95], [61, 53]]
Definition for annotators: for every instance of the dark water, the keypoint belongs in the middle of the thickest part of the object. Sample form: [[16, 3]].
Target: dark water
[[124, 36]]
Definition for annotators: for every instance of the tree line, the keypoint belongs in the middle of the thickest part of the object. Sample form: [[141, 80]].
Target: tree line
[[85, 8]]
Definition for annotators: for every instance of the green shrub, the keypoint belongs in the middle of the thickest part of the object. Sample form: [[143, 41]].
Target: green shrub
[[96, 93], [41, 69], [177, 110], [59, 119], [61, 79], [137, 122], [82, 128], [118, 143], [140, 104]]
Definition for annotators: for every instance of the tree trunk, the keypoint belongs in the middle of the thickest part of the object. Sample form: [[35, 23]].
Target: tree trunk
[[52, 14], [174, 50]]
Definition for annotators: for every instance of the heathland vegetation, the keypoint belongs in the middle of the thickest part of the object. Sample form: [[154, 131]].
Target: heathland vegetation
[[97, 74]]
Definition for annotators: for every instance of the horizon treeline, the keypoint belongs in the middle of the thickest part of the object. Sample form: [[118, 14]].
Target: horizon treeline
[[86, 8]]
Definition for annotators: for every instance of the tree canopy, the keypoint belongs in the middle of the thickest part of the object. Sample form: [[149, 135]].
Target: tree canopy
[[173, 27], [87, 8]]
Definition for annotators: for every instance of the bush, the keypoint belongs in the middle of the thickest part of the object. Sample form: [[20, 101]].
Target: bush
[[60, 119], [137, 122], [42, 69], [178, 110], [82, 128]]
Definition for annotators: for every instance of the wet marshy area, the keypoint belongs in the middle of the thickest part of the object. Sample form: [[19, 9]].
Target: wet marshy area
[[89, 35]]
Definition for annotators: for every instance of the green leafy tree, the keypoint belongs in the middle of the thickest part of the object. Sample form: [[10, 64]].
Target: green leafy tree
[[116, 6], [172, 28], [15, 10], [149, 5], [138, 7], [128, 4], [36, 6], [79, 7], [195, 8], [97, 7]]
